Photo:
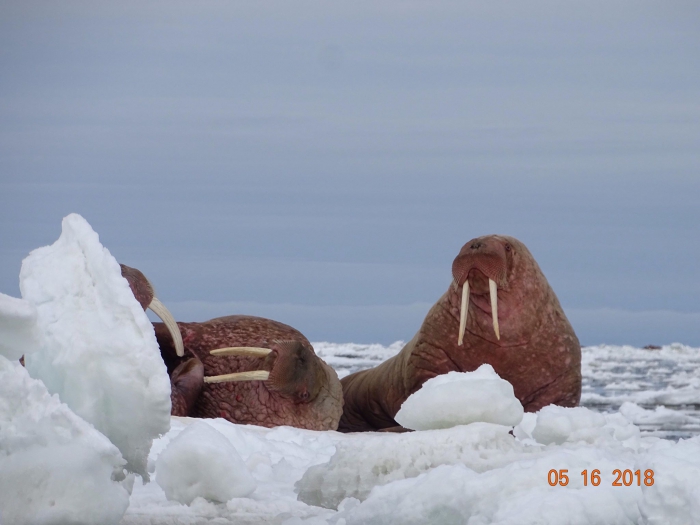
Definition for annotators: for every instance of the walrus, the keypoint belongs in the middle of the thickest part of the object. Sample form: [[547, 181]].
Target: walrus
[[245, 369], [499, 309]]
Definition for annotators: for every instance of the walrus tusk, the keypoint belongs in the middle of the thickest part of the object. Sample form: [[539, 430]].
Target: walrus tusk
[[493, 292], [464, 309], [161, 311], [255, 375], [242, 350]]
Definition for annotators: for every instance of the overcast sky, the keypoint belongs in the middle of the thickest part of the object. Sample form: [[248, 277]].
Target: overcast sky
[[322, 163]]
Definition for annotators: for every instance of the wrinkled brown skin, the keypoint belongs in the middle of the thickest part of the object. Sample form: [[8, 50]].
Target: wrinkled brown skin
[[538, 352], [302, 390]]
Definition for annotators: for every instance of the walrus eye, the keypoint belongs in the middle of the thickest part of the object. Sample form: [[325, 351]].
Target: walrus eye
[[475, 246], [507, 247]]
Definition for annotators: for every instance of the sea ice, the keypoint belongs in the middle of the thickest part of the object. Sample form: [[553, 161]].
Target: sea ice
[[460, 398], [372, 459], [18, 330], [54, 467], [98, 348], [201, 462], [515, 494], [674, 497]]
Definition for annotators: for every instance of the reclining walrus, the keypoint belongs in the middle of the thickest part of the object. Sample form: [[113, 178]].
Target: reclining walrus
[[498, 310], [244, 369]]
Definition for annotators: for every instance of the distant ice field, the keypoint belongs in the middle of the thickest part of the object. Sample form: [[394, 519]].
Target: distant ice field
[[657, 389]]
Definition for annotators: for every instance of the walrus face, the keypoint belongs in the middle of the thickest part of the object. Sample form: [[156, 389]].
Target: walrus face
[[496, 275], [295, 371]]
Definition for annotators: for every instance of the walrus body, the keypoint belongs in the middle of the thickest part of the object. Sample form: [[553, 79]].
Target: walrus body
[[261, 372], [302, 390], [530, 344]]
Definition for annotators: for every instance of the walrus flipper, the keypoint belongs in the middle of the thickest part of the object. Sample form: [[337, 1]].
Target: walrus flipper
[[186, 384]]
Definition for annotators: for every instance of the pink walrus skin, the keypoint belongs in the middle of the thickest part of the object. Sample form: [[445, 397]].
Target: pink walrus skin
[[529, 342], [261, 372]]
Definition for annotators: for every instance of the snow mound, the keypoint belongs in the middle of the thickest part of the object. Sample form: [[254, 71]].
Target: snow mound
[[98, 348], [460, 398], [54, 467], [372, 459], [18, 331], [558, 425], [201, 462]]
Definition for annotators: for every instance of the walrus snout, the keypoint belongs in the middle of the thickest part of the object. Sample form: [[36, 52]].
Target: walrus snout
[[481, 267], [489, 255]]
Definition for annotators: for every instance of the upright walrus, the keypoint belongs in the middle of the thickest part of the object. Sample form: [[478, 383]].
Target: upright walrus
[[498, 310]]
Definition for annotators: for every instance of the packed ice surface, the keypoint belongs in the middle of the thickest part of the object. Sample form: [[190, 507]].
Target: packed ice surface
[[201, 462], [373, 459], [98, 350], [54, 467], [674, 498], [19, 334], [460, 398], [477, 473]]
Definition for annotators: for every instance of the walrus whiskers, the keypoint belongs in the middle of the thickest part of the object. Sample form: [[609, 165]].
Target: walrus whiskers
[[493, 292], [464, 309], [255, 375], [252, 351], [164, 314]]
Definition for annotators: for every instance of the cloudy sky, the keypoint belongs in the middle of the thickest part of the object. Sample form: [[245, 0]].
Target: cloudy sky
[[322, 163]]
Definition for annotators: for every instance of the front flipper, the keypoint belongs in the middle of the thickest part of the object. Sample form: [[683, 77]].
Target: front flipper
[[186, 383]]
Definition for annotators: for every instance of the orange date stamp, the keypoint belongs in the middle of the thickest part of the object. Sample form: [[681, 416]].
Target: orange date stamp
[[623, 478]]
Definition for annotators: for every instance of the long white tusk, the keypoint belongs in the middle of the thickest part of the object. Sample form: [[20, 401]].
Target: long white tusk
[[242, 350], [161, 311], [464, 309], [493, 292], [255, 375]]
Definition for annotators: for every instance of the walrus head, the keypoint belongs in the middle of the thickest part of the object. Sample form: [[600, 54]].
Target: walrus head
[[146, 297], [295, 371], [498, 279]]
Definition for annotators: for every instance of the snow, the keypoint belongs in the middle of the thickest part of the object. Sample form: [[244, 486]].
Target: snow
[[18, 330], [98, 349], [54, 467], [674, 498], [460, 398], [387, 458], [476, 473], [201, 462]]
